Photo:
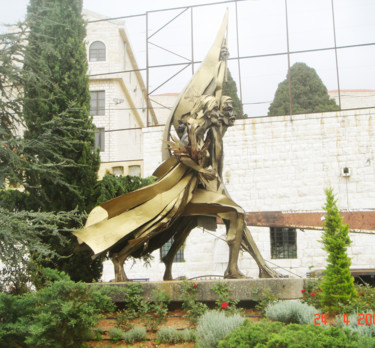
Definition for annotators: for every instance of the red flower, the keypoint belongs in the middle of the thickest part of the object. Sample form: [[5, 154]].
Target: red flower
[[303, 290], [224, 305], [156, 316], [312, 294], [195, 285]]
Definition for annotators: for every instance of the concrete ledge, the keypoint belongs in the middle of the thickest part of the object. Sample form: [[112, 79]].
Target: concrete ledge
[[241, 289]]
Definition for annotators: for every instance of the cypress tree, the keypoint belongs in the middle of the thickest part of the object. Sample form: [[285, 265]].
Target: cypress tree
[[309, 94], [338, 284], [230, 89], [57, 107]]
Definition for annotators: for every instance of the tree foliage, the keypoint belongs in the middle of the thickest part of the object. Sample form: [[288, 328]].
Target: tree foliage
[[113, 186], [22, 230], [338, 284], [230, 89], [59, 105], [56, 108], [308, 93]]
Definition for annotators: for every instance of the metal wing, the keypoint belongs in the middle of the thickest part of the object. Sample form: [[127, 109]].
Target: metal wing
[[208, 80]]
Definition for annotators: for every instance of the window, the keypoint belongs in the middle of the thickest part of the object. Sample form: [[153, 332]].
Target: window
[[118, 171], [97, 52], [97, 103], [99, 139], [179, 257], [283, 243], [135, 170]]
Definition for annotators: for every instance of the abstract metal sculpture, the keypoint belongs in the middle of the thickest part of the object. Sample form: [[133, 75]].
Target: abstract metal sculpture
[[189, 191]]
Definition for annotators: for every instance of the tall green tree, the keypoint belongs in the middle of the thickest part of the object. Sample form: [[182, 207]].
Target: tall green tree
[[58, 107], [22, 231], [308, 93], [338, 284], [230, 89]]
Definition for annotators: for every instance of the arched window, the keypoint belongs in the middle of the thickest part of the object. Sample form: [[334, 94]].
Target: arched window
[[97, 52]]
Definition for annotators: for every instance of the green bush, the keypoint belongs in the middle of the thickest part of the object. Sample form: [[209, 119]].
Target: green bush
[[135, 334], [190, 304], [312, 294], [291, 312], [61, 314], [224, 301], [357, 322], [263, 297], [213, 326], [116, 334], [279, 335], [172, 335], [157, 310], [15, 312], [251, 334]]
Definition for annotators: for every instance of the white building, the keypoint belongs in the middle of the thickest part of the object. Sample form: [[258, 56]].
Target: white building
[[118, 97], [278, 168]]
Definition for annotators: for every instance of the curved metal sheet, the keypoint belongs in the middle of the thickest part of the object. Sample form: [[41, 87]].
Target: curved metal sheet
[[207, 80]]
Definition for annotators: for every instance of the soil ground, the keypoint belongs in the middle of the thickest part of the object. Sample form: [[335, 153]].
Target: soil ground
[[175, 319]]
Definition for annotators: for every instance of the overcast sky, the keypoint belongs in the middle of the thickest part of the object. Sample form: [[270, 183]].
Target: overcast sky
[[262, 30]]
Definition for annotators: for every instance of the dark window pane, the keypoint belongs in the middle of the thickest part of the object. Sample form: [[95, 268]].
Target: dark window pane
[[283, 243], [99, 139], [179, 257], [97, 103]]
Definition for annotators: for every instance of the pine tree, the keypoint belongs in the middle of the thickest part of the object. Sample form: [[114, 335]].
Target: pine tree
[[338, 284], [230, 89], [58, 108], [308, 93]]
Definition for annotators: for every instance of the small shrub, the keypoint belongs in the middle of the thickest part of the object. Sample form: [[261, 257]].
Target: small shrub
[[264, 297], [224, 301], [363, 302], [190, 304], [213, 326], [357, 322], [338, 283], [172, 335], [116, 334], [157, 311], [61, 314], [136, 334], [279, 335], [291, 312], [14, 319], [251, 334], [312, 294], [123, 318]]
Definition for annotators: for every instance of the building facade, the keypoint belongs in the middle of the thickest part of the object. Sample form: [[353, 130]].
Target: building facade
[[118, 97]]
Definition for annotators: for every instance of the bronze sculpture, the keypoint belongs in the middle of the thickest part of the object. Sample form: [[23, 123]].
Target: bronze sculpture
[[189, 191]]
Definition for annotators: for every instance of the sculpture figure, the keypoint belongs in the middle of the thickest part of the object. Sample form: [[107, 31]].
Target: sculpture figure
[[189, 190]]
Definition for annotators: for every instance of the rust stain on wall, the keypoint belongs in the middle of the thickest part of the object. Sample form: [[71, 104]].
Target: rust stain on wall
[[357, 220]]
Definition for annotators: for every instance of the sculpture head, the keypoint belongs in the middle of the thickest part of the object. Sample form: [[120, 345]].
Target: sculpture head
[[206, 109], [227, 112]]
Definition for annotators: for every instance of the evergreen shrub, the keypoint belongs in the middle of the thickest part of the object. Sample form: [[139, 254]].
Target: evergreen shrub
[[279, 335], [172, 335], [135, 334], [116, 334], [213, 326], [357, 322], [61, 314], [291, 312]]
